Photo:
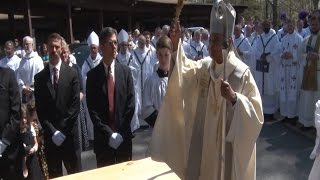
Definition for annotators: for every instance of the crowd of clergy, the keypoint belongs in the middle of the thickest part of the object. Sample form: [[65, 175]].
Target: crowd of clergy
[[287, 82]]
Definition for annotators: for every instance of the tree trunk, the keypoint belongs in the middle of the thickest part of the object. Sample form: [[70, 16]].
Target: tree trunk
[[315, 4], [275, 14]]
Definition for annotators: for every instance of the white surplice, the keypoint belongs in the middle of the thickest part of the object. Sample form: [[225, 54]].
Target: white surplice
[[124, 59], [154, 91]]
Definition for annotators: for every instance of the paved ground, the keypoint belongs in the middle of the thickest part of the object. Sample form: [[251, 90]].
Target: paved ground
[[282, 152]]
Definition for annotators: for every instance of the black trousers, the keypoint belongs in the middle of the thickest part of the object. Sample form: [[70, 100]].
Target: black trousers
[[11, 163], [65, 153], [112, 156]]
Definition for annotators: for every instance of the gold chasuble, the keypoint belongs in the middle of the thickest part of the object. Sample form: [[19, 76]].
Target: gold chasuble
[[187, 133], [309, 81]]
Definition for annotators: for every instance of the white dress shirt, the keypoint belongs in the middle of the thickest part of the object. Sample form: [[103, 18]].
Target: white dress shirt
[[112, 70], [58, 66]]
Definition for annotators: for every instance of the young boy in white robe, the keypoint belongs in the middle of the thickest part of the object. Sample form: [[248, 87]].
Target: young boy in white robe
[[315, 171], [156, 85]]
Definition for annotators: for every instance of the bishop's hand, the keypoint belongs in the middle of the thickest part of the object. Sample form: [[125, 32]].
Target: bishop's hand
[[227, 92], [175, 34]]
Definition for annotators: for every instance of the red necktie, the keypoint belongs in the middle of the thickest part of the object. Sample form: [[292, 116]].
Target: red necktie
[[55, 78], [110, 87]]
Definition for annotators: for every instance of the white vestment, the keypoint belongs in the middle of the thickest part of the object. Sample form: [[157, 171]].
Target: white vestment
[[289, 75], [142, 67], [244, 46], [29, 66], [154, 91], [266, 82], [196, 50], [308, 98], [12, 63], [187, 133], [315, 171]]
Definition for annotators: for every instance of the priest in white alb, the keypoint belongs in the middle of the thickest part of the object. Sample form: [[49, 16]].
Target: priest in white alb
[[202, 98], [142, 67], [267, 57], [290, 72], [197, 49]]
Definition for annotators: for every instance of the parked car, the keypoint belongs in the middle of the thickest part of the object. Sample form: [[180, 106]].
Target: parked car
[[80, 51]]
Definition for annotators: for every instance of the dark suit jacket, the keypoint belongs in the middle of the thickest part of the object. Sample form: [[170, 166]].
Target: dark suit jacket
[[97, 101], [9, 110], [57, 110]]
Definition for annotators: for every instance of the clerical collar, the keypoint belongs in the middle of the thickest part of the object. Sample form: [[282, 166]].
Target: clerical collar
[[162, 73]]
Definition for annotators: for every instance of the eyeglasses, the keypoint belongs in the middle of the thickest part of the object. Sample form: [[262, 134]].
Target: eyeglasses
[[112, 43]]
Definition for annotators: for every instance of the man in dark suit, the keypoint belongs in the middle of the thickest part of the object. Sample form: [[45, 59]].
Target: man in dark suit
[[10, 156], [110, 98], [57, 92]]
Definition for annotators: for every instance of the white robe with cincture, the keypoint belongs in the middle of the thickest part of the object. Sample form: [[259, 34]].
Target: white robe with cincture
[[194, 48], [154, 91], [12, 63], [268, 86], [289, 75], [187, 133], [244, 46], [142, 67]]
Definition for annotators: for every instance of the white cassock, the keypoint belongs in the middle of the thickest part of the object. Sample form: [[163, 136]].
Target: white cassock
[[244, 46], [12, 63], [289, 75], [250, 39], [155, 89], [187, 133], [142, 67], [308, 98], [153, 54], [266, 83], [29, 66], [315, 171], [124, 59], [197, 49]]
